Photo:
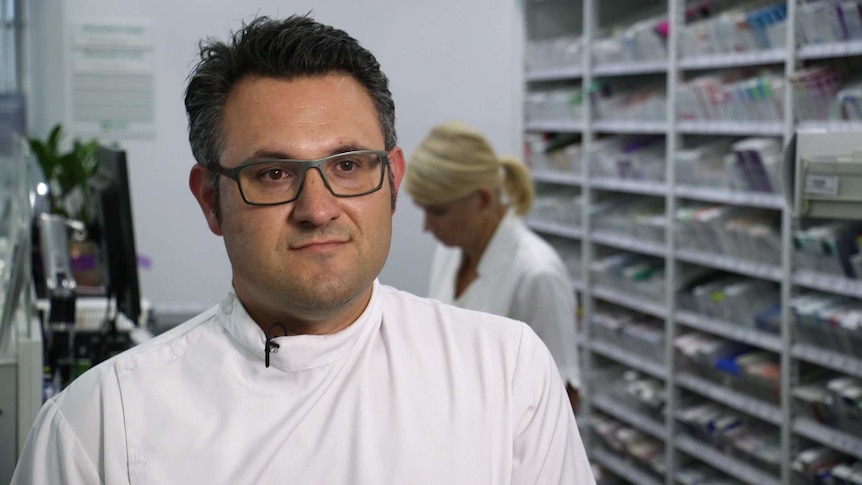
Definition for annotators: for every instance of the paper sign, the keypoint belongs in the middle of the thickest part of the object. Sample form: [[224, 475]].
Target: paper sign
[[821, 184], [113, 78]]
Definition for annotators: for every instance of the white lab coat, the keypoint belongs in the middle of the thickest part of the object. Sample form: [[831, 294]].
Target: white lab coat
[[413, 392], [520, 277]]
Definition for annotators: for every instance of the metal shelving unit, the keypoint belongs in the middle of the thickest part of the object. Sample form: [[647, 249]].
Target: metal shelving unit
[[828, 359], [633, 302], [632, 127], [742, 128], [623, 356], [736, 468], [561, 74], [729, 330], [623, 468], [630, 68], [844, 442], [730, 263], [741, 59], [830, 49], [556, 126], [635, 419], [630, 186], [592, 17], [558, 178], [736, 400], [555, 228], [745, 199], [629, 243], [828, 283]]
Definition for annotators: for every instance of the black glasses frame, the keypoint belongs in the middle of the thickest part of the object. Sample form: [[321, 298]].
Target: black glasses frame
[[305, 165]]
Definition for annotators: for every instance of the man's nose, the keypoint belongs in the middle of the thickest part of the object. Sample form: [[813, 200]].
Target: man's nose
[[316, 204]]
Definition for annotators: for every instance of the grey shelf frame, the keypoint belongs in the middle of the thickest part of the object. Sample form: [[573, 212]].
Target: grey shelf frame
[[677, 319]]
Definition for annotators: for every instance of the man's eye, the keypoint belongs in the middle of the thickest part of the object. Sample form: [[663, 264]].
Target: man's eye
[[273, 174], [347, 165]]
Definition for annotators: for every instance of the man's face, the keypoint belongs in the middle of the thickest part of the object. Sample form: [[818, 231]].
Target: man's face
[[311, 261]]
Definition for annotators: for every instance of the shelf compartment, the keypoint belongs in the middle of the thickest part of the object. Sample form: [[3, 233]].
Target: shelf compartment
[[830, 49], [631, 360], [732, 264], [631, 417], [645, 187], [623, 468], [718, 460], [832, 438], [629, 68], [630, 126], [746, 199], [736, 59], [743, 128], [546, 176], [830, 125], [555, 228], [633, 302], [555, 126], [629, 243], [847, 364], [555, 74], [828, 283], [728, 330], [731, 398]]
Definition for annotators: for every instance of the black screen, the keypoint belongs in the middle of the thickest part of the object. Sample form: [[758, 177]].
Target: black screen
[[116, 233]]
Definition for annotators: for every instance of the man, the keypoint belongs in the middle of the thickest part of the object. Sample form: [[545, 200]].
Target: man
[[309, 371]]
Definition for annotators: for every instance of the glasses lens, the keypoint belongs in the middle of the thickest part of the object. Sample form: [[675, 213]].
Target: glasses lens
[[354, 173], [270, 182], [278, 181]]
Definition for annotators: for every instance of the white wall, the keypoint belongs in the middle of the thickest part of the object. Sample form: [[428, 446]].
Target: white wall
[[445, 59]]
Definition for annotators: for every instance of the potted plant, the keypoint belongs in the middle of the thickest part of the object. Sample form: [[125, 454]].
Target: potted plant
[[68, 174]]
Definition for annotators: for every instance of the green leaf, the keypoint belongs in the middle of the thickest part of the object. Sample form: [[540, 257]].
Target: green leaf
[[54, 139], [67, 172]]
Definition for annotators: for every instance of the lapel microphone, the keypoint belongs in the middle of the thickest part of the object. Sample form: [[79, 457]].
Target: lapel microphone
[[270, 346]]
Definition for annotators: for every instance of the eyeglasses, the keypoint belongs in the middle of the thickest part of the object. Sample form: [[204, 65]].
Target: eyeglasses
[[275, 181]]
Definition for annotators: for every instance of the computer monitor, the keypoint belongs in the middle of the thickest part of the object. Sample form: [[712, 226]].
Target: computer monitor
[[116, 231]]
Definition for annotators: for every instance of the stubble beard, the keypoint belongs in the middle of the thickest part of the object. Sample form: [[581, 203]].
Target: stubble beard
[[325, 287]]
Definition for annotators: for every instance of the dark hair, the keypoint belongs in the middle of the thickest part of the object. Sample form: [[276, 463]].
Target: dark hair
[[285, 49]]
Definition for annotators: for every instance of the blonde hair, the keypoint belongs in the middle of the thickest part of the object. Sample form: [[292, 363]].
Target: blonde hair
[[456, 160]]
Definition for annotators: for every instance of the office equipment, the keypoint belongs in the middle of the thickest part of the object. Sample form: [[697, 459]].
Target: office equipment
[[827, 175], [114, 229], [60, 285], [116, 232]]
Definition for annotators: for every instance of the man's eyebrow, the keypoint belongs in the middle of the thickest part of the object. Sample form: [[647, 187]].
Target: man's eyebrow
[[267, 154]]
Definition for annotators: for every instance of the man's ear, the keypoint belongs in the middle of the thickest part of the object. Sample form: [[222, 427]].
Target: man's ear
[[397, 167], [200, 183]]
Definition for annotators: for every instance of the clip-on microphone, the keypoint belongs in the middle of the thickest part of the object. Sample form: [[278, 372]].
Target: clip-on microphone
[[270, 346]]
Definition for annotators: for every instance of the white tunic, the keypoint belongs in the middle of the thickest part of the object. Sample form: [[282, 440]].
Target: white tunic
[[520, 277], [414, 392]]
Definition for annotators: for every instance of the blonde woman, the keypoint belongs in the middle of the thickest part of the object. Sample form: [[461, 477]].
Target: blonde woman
[[489, 260]]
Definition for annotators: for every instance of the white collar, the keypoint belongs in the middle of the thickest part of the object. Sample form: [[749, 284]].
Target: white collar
[[502, 245], [299, 352]]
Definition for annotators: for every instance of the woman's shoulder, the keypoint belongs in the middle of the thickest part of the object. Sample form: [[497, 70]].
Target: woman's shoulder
[[535, 253]]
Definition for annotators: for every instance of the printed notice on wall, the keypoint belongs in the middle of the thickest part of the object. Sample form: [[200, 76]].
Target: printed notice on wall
[[113, 76]]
